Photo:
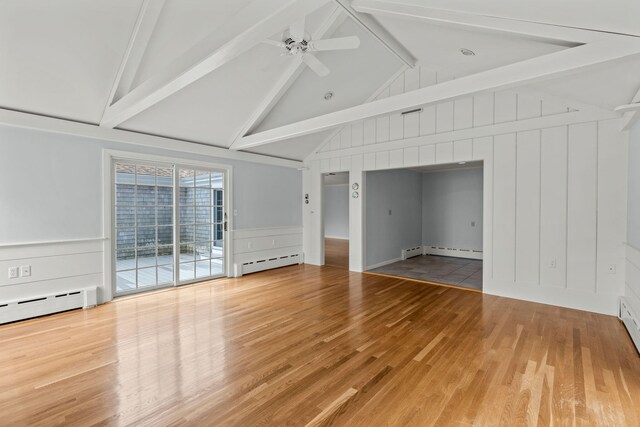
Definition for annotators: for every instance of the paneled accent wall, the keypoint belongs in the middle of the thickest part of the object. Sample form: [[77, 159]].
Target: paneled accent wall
[[554, 199], [467, 113], [55, 267]]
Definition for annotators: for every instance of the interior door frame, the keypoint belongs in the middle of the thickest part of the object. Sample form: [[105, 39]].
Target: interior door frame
[[109, 158]]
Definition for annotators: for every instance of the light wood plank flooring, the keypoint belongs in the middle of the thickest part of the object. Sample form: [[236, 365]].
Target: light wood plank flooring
[[336, 252], [306, 345]]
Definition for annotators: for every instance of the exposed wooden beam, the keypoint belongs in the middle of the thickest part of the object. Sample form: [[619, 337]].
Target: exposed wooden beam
[[631, 117], [554, 65], [378, 32], [285, 81], [257, 21]]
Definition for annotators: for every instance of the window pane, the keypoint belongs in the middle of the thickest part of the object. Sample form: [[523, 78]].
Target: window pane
[[165, 196], [186, 177], [147, 277], [125, 259], [145, 195], [203, 215], [145, 175], [203, 233], [146, 237], [165, 235], [202, 250], [146, 215], [125, 238], [146, 256], [125, 173], [125, 194], [125, 280], [217, 267], [217, 249], [187, 233], [187, 195], [125, 216], [218, 231], [165, 274], [187, 271], [203, 197], [165, 215], [187, 214], [202, 179], [203, 269], [219, 198], [165, 254], [164, 177], [218, 214], [187, 252]]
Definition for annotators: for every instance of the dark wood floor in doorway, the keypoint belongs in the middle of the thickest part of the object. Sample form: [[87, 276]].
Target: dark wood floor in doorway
[[336, 252], [466, 273]]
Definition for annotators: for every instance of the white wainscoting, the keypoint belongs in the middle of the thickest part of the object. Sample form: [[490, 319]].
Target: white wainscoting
[[264, 248], [58, 266], [554, 202], [631, 316]]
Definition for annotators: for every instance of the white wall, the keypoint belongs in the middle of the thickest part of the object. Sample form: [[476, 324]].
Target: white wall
[[393, 214], [632, 288], [336, 211], [555, 188], [51, 190], [451, 202]]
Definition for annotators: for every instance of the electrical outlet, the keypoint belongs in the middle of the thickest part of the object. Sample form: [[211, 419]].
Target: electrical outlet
[[14, 272], [612, 269], [25, 270], [473, 223], [553, 263]]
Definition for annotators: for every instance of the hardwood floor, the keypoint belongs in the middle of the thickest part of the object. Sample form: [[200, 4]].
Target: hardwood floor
[[306, 345], [336, 252]]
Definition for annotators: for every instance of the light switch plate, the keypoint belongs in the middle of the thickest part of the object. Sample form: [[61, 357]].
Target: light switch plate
[[25, 270]]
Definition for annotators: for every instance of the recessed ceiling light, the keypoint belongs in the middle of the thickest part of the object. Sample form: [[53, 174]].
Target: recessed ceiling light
[[462, 163], [328, 95], [467, 52]]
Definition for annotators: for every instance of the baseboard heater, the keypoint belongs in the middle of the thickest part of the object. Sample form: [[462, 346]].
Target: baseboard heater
[[631, 321], [410, 253], [452, 252], [26, 308], [266, 263]]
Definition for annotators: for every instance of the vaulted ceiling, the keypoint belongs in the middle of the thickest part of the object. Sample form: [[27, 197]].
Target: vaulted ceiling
[[197, 70]]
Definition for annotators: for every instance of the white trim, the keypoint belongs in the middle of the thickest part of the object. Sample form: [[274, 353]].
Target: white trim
[[382, 264], [65, 127], [51, 242], [336, 237]]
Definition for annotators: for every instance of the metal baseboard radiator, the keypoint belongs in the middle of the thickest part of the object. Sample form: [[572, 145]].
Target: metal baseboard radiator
[[410, 253], [630, 321], [266, 263], [26, 308]]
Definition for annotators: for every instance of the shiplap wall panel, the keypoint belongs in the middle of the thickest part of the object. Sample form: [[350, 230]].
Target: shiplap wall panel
[[369, 132], [382, 160], [428, 114], [463, 150], [396, 158], [427, 155], [411, 156], [528, 106], [551, 108], [483, 110], [369, 160], [444, 152], [483, 150], [505, 107], [444, 110], [411, 125], [528, 207], [396, 122], [612, 205], [582, 205], [345, 163], [345, 137], [463, 113], [382, 129], [357, 133], [553, 207], [504, 208]]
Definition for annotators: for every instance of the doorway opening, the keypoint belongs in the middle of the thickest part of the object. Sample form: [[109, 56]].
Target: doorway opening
[[426, 224], [336, 219]]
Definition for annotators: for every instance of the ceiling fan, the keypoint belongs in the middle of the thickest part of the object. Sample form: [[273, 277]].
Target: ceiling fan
[[297, 43]]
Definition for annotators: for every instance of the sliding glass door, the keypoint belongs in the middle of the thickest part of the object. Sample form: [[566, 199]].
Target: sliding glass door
[[169, 225]]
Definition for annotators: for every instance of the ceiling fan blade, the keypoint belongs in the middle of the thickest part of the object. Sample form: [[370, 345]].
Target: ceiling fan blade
[[296, 30], [273, 43], [628, 107], [314, 63], [339, 43]]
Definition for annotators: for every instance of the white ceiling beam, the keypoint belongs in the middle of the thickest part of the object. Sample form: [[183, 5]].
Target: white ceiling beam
[[40, 123], [527, 29], [379, 32], [255, 22], [335, 19], [631, 117], [554, 65]]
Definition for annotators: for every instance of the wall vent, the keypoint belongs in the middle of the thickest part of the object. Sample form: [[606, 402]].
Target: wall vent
[[631, 321], [26, 308]]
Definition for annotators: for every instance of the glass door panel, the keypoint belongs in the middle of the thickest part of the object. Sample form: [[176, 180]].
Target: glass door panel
[[201, 224], [143, 226]]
